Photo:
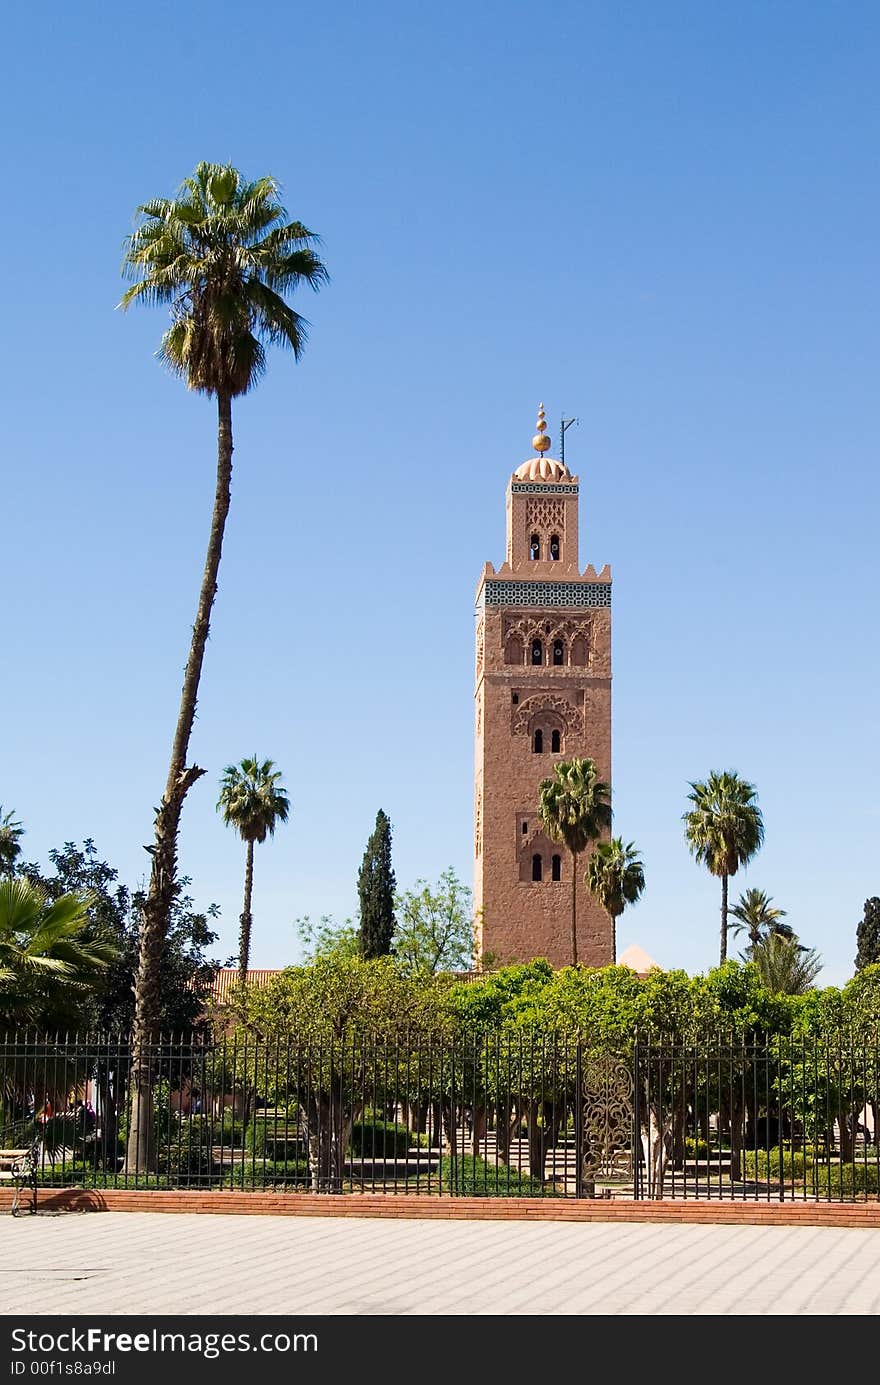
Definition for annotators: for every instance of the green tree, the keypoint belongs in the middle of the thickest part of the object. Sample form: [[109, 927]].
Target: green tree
[[252, 801], [11, 833], [220, 255], [327, 938], [344, 1016], [48, 967], [616, 877], [757, 916], [435, 927], [868, 935], [376, 886], [784, 966], [724, 829], [575, 808], [114, 911]]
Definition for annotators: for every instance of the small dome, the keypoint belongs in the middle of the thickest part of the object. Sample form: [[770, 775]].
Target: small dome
[[542, 469]]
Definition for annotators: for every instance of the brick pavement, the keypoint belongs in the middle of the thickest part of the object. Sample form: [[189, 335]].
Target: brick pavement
[[141, 1263]]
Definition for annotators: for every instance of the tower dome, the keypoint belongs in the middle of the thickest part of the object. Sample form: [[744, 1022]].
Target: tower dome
[[542, 469]]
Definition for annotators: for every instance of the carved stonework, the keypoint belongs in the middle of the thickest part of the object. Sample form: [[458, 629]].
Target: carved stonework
[[545, 514], [478, 824], [535, 627], [480, 642], [571, 718]]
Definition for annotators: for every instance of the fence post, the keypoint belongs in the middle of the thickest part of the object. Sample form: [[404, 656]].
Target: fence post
[[637, 1124], [578, 1120]]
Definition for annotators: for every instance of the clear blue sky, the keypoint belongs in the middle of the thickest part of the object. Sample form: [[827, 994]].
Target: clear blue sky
[[662, 218]]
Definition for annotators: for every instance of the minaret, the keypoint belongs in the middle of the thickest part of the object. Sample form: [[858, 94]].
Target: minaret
[[542, 694]]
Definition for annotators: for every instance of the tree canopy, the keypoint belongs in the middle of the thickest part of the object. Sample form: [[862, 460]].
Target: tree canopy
[[724, 828], [376, 886], [868, 935]]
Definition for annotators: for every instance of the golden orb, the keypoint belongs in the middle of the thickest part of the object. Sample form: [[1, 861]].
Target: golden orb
[[541, 442]]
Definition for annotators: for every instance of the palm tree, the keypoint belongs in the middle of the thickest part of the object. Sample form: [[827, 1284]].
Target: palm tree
[[723, 829], [47, 959], [756, 915], [784, 965], [575, 808], [251, 802], [10, 834], [616, 877], [220, 254]]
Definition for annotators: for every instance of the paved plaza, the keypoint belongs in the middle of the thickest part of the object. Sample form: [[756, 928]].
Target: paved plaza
[[124, 1263]]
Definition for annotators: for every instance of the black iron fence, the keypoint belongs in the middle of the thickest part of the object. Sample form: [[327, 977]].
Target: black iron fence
[[499, 1114]]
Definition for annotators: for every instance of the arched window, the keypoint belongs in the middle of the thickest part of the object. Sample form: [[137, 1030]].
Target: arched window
[[513, 650], [534, 547], [556, 868], [555, 742], [554, 548], [579, 652], [525, 828], [558, 652], [537, 868], [537, 652], [538, 743]]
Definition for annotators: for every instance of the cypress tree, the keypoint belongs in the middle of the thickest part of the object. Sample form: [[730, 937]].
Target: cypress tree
[[376, 886], [868, 934]]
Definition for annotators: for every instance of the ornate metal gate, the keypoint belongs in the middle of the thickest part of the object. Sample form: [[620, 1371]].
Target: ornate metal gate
[[607, 1090]]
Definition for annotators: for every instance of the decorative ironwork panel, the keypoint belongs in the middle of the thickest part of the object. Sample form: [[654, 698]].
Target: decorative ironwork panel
[[607, 1119]]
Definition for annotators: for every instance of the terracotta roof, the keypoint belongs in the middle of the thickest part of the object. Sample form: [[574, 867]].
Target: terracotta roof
[[227, 977], [637, 959]]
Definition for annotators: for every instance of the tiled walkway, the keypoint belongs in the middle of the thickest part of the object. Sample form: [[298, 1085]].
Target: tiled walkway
[[125, 1263]]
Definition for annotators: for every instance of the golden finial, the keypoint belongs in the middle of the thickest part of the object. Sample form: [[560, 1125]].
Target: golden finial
[[541, 442]]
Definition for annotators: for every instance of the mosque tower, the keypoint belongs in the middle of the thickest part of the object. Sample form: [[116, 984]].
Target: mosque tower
[[542, 694]]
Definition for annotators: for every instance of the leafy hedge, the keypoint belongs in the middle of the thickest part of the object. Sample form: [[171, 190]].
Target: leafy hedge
[[802, 1169], [469, 1176], [380, 1139]]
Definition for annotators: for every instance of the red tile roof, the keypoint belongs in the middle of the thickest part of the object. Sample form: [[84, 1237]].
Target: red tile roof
[[227, 977]]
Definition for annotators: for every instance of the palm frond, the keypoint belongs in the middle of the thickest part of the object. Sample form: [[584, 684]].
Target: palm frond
[[220, 254]]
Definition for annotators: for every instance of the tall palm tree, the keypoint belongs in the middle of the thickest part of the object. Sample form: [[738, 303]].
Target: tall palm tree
[[785, 967], [221, 255], [757, 916], [616, 877], [46, 962], [575, 808], [11, 833], [252, 802], [723, 829]]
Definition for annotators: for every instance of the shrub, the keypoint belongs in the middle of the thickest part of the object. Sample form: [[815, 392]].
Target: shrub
[[803, 1169], [281, 1173], [696, 1149], [187, 1158], [380, 1139], [469, 1176]]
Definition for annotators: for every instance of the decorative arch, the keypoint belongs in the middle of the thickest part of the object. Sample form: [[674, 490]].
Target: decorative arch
[[580, 651], [513, 649], [542, 703]]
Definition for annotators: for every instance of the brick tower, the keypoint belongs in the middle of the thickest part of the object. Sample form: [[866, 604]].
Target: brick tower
[[543, 693]]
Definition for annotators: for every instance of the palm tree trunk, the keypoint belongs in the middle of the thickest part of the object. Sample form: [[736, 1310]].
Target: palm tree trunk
[[613, 918], [244, 939], [181, 777], [723, 919], [574, 888]]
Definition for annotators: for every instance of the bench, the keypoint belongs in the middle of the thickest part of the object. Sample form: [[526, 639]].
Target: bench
[[19, 1167]]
